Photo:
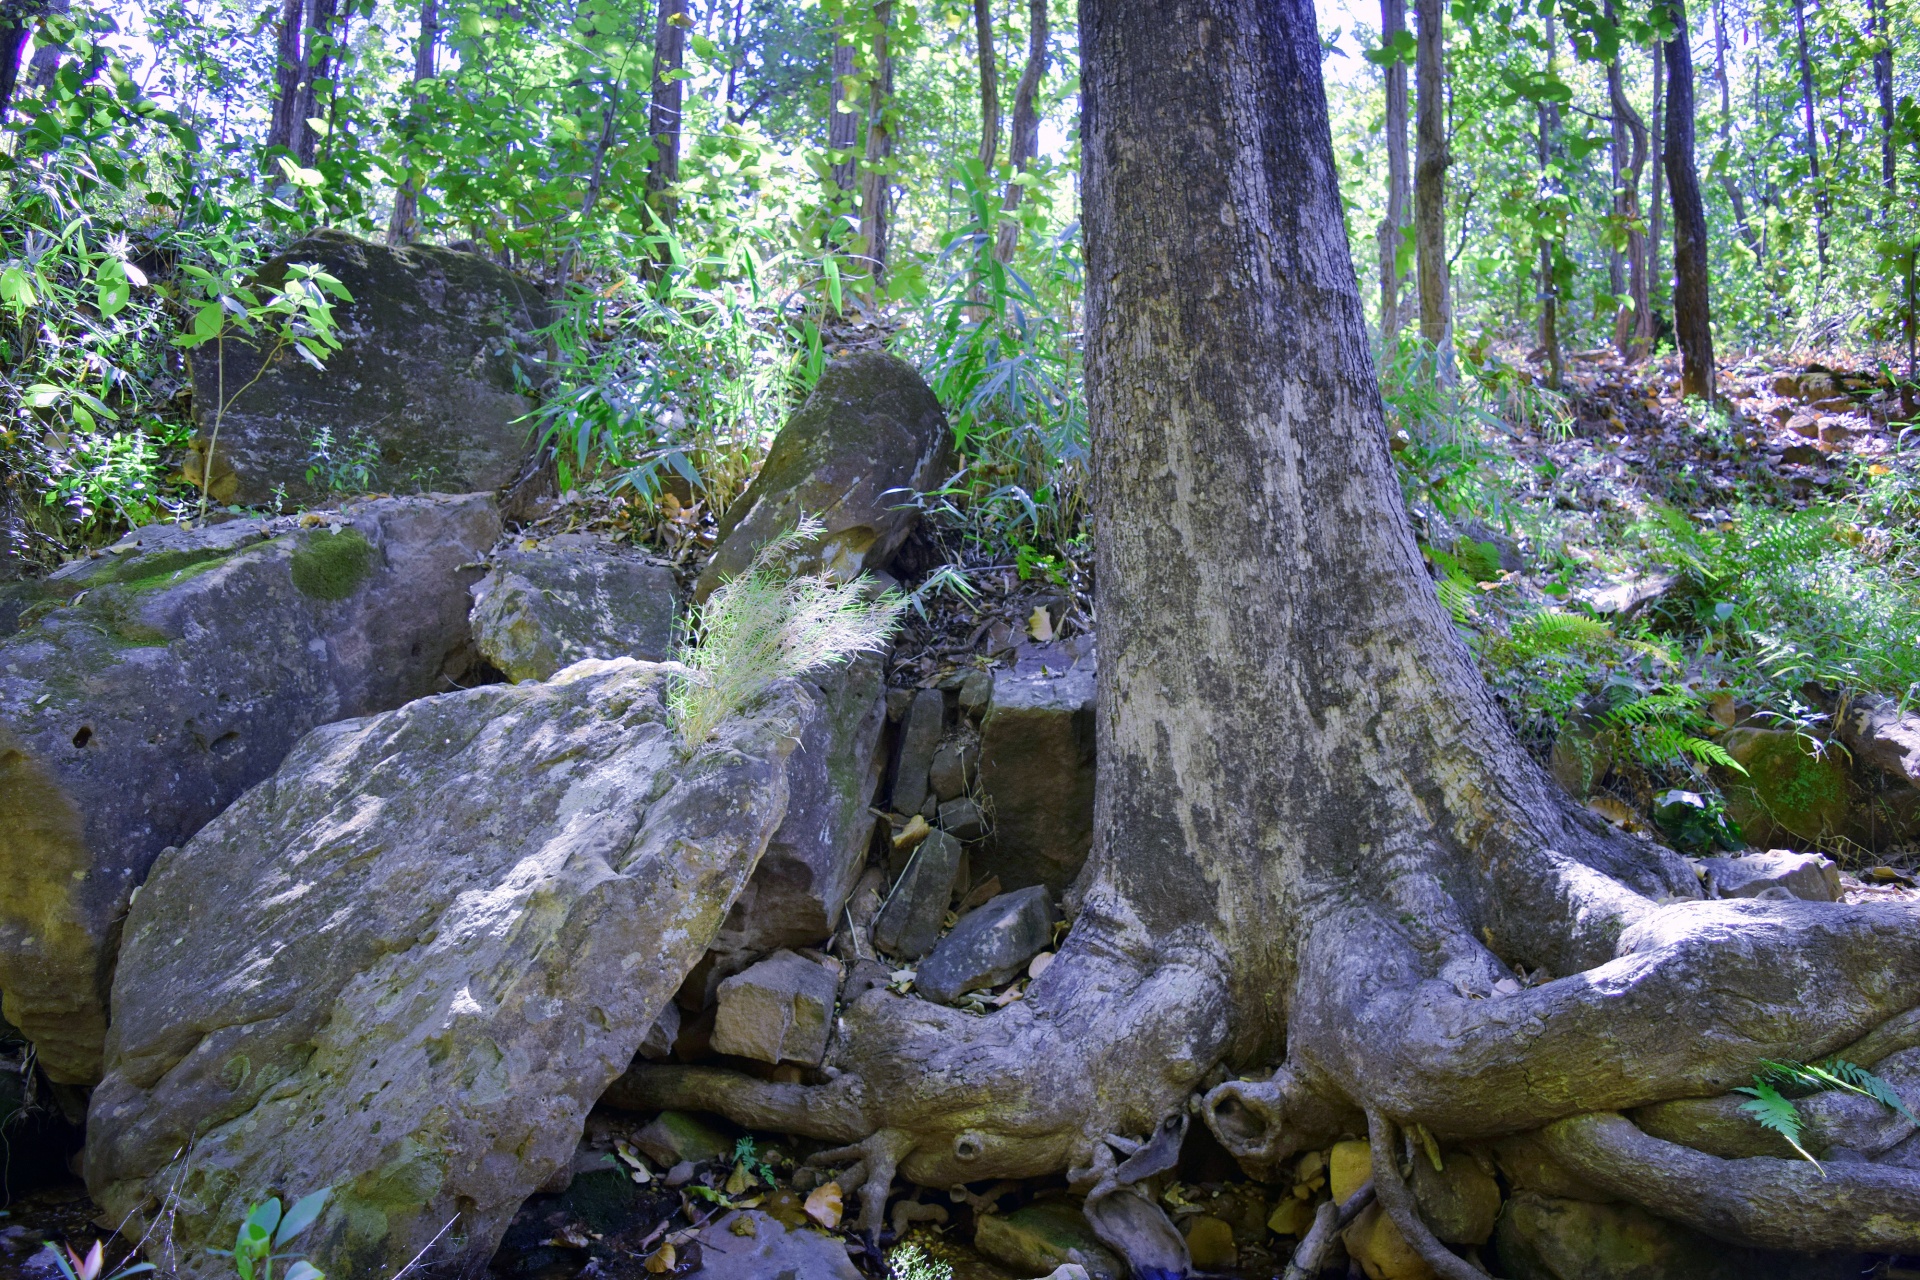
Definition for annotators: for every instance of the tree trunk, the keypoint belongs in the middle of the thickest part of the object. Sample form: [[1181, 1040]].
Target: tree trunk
[[1393, 21], [1024, 142], [1430, 179], [1879, 26], [989, 85], [1735, 197], [404, 225], [1617, 165], [1813, 135], [46, 58], [876, 177], [1316, 839], [663, 116], [1633, 330], [1692, 320], [15, 27], [288, 65], [1656, 222], [1547, 118], [843, 120], [317, 63]]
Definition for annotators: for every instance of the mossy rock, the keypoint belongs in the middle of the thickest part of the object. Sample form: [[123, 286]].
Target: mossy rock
[[1793, 787], [328, 565], [1040, 1237]]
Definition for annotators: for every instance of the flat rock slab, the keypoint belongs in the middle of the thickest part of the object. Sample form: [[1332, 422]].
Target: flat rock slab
[[870, 435], [769, 1251], [540, 610], [425, 372], [909, 923], [149, 687], [387, 972], [1037, 769], [990, 945], [779, 1010], [1804, 875]]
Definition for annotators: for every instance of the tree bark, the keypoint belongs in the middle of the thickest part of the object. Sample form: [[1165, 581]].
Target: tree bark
[[17, 21], [1617, 165], [1430, 179], [1880, 28], [663, 115], [1656, 220], [1317, 843], [989, 85], [404, 225], [843, 121], [317, 65], [876, 177], [1813, 135], [1633, 330], [1393, 21], [288, 64], [1024, 142], [1692, 319], [1735, 196], [1547, 118]]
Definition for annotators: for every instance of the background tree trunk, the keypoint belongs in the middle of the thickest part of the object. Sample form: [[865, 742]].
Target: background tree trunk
[[989, 85], [404, 225], [1633, 330], [1024, 142], [843, 120], [1878, 26], [1618, 163], [317, 63], [876, 177], [1657, 217], [1393, 21], [1430, 179], [289, 63], [1813, 135], [1692, 319], [1547, 118], [17, 20], [1735, 196], [663, 116]]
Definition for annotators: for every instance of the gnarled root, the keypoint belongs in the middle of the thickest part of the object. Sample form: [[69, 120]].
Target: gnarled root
[[875, 1158], [1759, 1200], [1398, 1202]]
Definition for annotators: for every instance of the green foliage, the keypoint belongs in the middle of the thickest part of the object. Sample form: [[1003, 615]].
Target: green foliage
[[342, 466], [93, 1264], [330, 564], [1777, 1083], [910, 1262], [770, 624], [266, 1232], [746, 1156]]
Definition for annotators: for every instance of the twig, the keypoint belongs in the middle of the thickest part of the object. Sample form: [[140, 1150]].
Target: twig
[[428, 1245]]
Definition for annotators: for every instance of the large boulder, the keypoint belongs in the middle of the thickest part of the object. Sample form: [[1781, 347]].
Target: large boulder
[[407, 965], [1544, 1238], [869, 437], [1794, 788], [426, 372], [151, 686], [1037, 769], [542, 609]]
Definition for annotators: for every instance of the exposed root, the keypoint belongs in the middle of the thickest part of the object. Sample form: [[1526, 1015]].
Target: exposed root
[[1760, 1200], [1124, 1216], [1329, 1220], [1263, 1122], [875, 1158], [1397, 1200]]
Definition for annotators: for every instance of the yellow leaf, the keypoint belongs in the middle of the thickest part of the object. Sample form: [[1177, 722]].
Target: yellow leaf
[[824, 1206], [743, 1226], [1040, 625], [662, 1260], [739, 1180], [913, 833]]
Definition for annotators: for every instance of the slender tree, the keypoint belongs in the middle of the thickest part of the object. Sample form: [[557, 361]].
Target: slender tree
[[1024, 142], [843, 118], [1813, 133], [404, 225], [288, 67], [1633, 329], [989, 84], [1393, 22], [1430, 179], [876, 176], [1617, 165], [663, 114], [1880, 30], [17, 19], [1320, 854], [1657, 217], [1692, 318], [303, 58], [1735, 196], [1547, 122]]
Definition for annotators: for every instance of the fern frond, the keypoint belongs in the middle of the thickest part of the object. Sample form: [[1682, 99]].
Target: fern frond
[[1707, 751], [1857, 1079], [1774, 1112]]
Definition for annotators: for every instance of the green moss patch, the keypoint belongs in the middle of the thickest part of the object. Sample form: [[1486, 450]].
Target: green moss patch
[[330, 565], [164, 568]]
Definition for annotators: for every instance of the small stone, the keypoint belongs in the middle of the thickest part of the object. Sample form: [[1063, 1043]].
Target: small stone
[[537, 612], [1804, 875], [1349, 1167], [1804, 424], [1383, 1253], [1459, 1201], [1037, 765], [1786, 386], [976, 694], [898, 700], [674, 1137], [661, 1035], [952, 770], [961, 819], [909, 924], [989, 946], [1210, 1243], [1836, 433], [1291, 1217], [919, 739], [755, 1245], [779, 1010], [680, 1175]]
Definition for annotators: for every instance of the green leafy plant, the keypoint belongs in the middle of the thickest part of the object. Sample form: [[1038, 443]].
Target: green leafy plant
[[266, 1232], [746, 1155], [910, 1262], [342, 466], [1777, 1084], [771, 624], [93, 1265]]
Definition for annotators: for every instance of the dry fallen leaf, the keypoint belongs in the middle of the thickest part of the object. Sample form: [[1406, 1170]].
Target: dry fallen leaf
[[739, 1180], [743, 1226], [823, 1205], [1040, 625], [913, 833], [662, 1260], [1038, 965]]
